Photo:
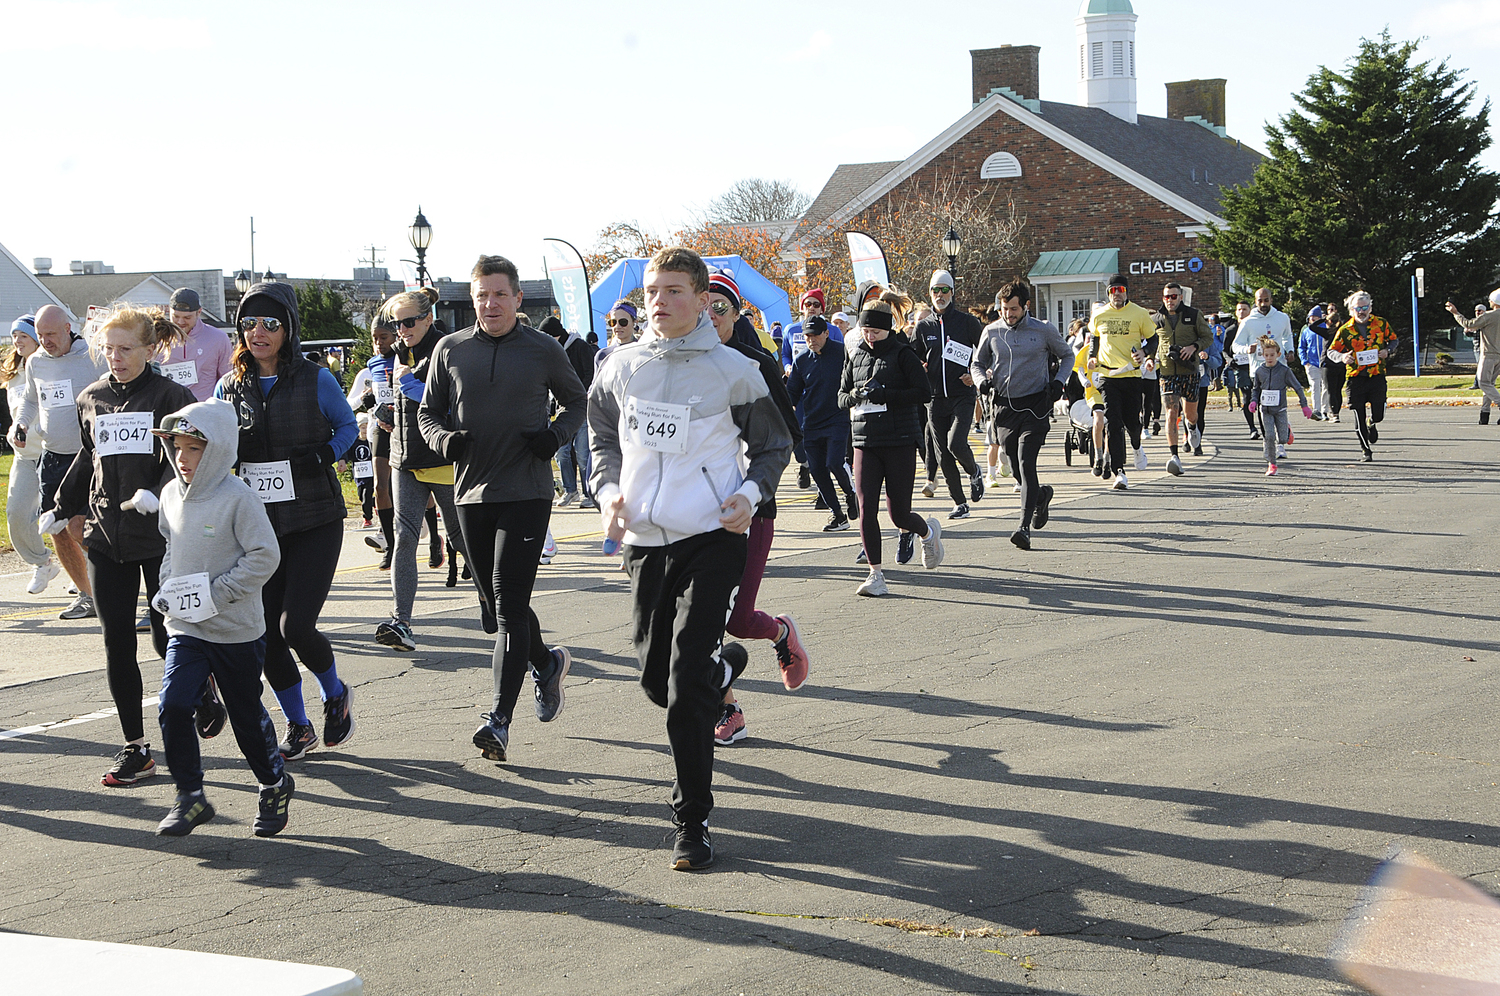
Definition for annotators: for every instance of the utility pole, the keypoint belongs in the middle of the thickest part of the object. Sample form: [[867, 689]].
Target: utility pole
[[374, 260], [252, 244]]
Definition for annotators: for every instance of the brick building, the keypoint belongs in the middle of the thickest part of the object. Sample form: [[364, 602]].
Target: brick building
[[1102, 188]]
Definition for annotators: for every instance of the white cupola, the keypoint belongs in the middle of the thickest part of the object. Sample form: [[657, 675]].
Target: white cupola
[[1106, 56]]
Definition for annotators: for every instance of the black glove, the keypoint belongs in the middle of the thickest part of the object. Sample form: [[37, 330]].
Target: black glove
[[385, 415], [1055, 390], [451, 446], [367, 401], [875, 395], [542, 443]]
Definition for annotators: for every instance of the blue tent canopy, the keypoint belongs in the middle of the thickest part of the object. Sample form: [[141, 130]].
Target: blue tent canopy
[[629, 274]]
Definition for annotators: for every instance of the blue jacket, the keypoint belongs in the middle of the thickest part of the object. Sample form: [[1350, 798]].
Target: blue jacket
[[1215, 361], [1310, 347], [794, 342], [814, 389]]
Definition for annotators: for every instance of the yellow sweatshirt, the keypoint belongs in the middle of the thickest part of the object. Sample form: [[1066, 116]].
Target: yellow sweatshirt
[[1119, 330], [1091, 394]]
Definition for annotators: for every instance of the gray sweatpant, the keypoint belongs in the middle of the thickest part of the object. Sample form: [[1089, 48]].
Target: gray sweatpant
[[1489, 368], [409, 498], [23, 505], [1275, 428]]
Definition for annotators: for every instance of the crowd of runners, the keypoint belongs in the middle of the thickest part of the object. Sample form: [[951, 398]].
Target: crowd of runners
[[159, 456]]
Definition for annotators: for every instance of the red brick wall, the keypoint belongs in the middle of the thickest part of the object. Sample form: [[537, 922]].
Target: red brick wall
[[1069, 203]]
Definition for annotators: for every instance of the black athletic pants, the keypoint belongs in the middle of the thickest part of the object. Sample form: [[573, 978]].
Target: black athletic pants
[[895, 467], [825, 459], [948, 420], [1150, 400], [1335, 374], [683, 594], [1367, 391], [1122, 414], [504, 540], [1021, 426], [293, 600], [1202, 411], [117, 591]]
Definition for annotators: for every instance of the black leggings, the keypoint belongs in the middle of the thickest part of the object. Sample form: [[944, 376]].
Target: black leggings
[[896, 467], [504, 540], [117, 590], [1122, 414], [1202, 411], [1021, 426], [293, 600], [1150, 400], [1367, 391], [1335, 373]]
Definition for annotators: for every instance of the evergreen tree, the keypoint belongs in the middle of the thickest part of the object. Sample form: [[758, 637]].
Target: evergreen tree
[[325, 312], [1375, 175]]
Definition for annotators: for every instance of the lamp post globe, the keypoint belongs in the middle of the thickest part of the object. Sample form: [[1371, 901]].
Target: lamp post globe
[[269, 278], [420, 234], [951, 246], [242, 281]]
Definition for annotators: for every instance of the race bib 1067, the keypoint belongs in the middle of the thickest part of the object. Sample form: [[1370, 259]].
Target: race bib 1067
[[655, 425]]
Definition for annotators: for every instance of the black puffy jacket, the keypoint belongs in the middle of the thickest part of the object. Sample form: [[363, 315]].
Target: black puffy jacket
[[891, 371]]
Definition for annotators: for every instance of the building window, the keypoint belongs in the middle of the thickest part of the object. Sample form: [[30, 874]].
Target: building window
[[1000, 166], [1083, 307], [1097, 53], [1119, 60]]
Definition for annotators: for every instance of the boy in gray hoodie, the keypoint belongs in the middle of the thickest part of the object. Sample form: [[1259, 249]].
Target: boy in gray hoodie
[[221, 550]]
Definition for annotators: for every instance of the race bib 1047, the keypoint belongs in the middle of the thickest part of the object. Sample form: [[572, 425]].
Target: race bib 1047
[[124, 432], [271, 481], [655, 425]]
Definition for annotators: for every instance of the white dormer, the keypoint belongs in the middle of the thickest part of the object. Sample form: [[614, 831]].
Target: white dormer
[[1106, 56]]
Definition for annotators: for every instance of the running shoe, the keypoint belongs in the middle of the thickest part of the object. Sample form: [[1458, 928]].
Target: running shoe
[[270, 814], [367, 524], [132, 763], [300, 738], [1374, 433], [1291, 437], [1195, 438], [836, 523], [82, 608], [959, 512], [385, 559], [1155, 428], [1004, 468], [1043, 507], [851, 506], [1015, 489], [568, 498], [1271, 470], [493, 737], [1368, 457], [1099, 467], [376, 541], [1146, 432], [435, 556], [735, 659], [860, 558], [1336, 417], [804, 477], [731, 725], [976, 488], [932, 544], [1174, 466], [906, 546], [1140, 458], [929, 490], [210, 715], [791, 655], [1197, 451], [338, 718], [1121, 484], [1280, 451], [549, 549], [1484, 419], [549, 690], [873, 586], [819, 505], [42, 576], [190, 810], [1021, 538], [143, 624], [693, 850], [395, 634]]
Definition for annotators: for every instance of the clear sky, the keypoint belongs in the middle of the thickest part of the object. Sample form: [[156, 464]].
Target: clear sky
[[146, 135]]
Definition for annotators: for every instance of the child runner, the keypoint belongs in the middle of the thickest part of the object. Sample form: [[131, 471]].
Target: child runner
[[221, 550], [1268, 394], [361, 460], [671, 419]]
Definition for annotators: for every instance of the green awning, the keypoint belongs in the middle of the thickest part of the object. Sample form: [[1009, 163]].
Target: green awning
[[1076, 263]]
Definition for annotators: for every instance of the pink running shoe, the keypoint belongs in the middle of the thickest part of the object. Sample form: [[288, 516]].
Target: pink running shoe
[[1271, 470], [791, 655], [731, 725]]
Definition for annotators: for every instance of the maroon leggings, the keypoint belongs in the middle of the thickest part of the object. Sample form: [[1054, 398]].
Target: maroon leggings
[[896, 466], [747, 622]]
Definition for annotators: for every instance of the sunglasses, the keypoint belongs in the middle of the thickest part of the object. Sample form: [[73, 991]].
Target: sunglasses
[[271, 324], [940, 289], [409, 323], [720, 308], [613, 322], [1171, 297], [1122, 290]]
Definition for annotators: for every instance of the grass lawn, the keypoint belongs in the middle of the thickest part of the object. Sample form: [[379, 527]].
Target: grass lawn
[[1431, 386], [4, 485]]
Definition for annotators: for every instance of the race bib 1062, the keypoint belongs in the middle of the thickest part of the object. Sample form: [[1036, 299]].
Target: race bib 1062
[[124, 432], [271, 481], [655, 425], [187, 597]]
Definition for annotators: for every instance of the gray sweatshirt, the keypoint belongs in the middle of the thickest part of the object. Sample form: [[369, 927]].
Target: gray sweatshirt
[[53, 384], [1013, 361], [495, 388], [1278, 378], [218, 526]]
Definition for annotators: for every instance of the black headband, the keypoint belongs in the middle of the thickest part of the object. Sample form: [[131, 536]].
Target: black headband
[[872, 319]]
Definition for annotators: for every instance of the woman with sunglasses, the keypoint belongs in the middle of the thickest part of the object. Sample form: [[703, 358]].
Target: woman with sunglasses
[[1363, 344], [294, 424], [621, 324]]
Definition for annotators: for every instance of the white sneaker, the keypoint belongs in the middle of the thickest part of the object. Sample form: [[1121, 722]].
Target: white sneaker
[[568, 498], [932, 544], [873, 586], [1174, 466], [1016, 489], [1120, 483], [42, 576], [1280, 451], [1140, 458], [549, 549], [1195, 438], [1004, 469], [929, 490], [1145, 432]]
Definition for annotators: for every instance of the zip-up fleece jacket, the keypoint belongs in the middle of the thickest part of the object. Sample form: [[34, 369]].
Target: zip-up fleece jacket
[[409, 451], [737, 442], [1486, 327], [813, 387], [933, 335], [1348, 339], [69, 374], [1117, 331], [496, 388], [1310, 347], [1274, 324], [891, 369], [1015, 362], [1190, 329], [1277, 378], [217, 526], [96, 485]]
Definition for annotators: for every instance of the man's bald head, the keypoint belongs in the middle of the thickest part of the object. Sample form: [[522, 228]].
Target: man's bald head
[[53, 330]]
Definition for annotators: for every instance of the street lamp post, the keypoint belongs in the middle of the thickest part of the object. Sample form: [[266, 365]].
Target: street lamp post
[[269, 278], [242, 281], [951, 245], [420, 234]]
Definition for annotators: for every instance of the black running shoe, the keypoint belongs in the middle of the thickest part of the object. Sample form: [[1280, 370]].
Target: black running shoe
[[493, 737], [385, 558], [300, 738], [736, 658], [959, 512], [836, 524], [1368, 457], [549, 690], [338, 718], [906, 548], [976, 488], [851, 506], [804, 478], [270, 819], [190, 810], [210, 715], [467, 575], [1022, 538], [1043, 512], [435, 556], [694, 849], [132, 763], [1374, 433], [860, 558], [819, 505]]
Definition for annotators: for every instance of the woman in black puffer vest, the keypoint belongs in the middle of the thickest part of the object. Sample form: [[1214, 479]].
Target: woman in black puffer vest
[[884, 387]]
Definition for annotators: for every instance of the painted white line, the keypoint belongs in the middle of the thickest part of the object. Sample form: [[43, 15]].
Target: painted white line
[[27, 731]]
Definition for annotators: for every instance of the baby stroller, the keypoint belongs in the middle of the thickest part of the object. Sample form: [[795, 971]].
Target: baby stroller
[[1080, 435]]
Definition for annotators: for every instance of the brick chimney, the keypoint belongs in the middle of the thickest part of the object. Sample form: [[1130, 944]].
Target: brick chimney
[[1197, 98], [1014, 66]]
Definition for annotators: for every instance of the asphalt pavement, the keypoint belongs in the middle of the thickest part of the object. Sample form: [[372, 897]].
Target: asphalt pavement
[[1162, 751]]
